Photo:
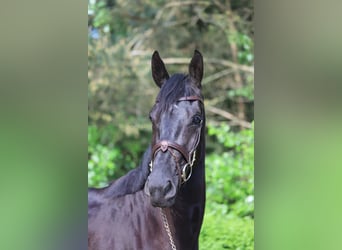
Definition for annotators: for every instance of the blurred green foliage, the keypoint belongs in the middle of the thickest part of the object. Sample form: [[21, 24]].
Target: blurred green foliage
[[228, 221], [121, 92], [110, 154], [220, 231], [229, 173]]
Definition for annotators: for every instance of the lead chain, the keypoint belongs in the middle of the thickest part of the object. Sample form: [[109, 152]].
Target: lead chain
[[167, 228]]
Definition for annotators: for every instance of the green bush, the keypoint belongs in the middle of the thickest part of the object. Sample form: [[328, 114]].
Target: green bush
[[229, 174], [228, 220], [221, 231], [111, 154]]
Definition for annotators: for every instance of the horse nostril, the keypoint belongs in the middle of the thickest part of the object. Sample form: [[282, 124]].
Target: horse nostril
[[169, 191], [167, 187]]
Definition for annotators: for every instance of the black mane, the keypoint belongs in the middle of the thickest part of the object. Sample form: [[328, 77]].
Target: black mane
[[177, 86], [130, 183]]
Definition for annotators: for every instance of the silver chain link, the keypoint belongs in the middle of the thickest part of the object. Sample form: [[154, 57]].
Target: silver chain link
[[167, 228]]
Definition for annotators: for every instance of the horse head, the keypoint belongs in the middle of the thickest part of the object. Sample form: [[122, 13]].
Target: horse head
[[177, 122]]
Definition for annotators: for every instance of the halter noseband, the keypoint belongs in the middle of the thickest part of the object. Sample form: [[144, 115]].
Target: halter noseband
[[189, 156]]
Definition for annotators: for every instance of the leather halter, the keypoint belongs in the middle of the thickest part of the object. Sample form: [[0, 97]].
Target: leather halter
[[189, 156]]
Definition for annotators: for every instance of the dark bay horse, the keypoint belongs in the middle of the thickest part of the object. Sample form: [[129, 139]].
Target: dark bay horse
[[160, 204]]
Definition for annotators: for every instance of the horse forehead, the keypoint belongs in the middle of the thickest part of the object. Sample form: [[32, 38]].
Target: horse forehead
[[177, 111], [180, 110], [186, 107]]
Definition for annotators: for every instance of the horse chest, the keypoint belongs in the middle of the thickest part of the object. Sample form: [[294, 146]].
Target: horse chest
[[128, 222]]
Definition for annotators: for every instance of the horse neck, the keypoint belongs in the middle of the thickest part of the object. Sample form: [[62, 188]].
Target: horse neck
[[133, 181]]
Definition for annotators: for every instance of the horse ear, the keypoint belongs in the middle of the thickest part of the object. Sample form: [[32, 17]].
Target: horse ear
[[159, 72], [196, 68]]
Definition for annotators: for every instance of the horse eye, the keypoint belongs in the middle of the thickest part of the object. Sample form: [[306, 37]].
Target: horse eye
[[150, 116], [197, 120]]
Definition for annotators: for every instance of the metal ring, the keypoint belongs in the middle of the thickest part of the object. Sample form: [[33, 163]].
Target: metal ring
[[186, 176]]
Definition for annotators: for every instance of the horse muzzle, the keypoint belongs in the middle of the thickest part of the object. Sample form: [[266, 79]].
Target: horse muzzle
[[162, 193]]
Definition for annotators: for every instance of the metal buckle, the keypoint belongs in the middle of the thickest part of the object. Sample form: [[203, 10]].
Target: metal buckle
[[151, 166], [193, 158], [164, 145]]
